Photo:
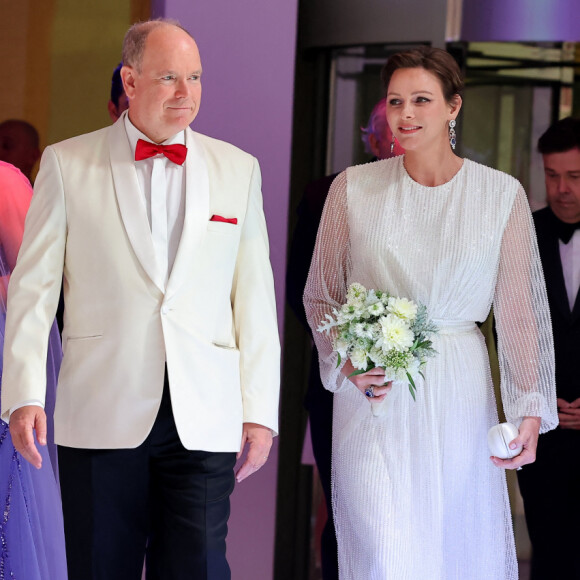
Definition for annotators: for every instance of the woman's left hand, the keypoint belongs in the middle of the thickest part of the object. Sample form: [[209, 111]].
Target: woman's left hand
[[528, 439]]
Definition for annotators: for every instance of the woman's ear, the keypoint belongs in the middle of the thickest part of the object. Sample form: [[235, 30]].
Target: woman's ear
[[455, 106]]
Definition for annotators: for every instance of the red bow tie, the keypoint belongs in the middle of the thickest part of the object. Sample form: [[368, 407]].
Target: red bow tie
[[175, 153]]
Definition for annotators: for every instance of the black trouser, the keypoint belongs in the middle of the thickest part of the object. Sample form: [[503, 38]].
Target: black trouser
[[550, 488], [158, 501]]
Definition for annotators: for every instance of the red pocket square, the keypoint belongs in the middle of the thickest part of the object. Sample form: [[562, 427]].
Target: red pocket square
[[219, 218]]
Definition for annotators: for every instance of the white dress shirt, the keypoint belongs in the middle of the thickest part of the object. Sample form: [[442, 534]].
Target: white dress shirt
[[570, 258], [175, 194]]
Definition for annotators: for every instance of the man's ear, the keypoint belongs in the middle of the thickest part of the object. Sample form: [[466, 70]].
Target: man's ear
[[128, 77]]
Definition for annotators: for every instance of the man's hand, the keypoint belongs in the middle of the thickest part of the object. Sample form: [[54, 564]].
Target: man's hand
[[23, 423], [259, 439], [569, 414]]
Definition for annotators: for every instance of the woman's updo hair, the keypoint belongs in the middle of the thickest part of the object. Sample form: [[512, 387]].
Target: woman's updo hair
[[436, 61]]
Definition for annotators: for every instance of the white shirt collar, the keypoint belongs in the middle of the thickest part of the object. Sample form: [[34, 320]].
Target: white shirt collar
[[133, 134]]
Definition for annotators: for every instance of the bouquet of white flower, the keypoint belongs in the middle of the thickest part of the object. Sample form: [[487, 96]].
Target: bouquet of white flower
[[375, 329]]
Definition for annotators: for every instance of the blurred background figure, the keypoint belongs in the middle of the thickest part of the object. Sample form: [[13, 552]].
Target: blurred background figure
[[19, 145], [118, 101], [377, 136], [550, 485], [31, 531], [378, 139]]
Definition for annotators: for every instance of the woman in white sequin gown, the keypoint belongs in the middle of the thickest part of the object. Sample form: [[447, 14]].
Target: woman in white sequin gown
[[415, 493]]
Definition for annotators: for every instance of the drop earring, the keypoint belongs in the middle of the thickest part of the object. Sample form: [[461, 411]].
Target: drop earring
[[393, 145], [452, 135]]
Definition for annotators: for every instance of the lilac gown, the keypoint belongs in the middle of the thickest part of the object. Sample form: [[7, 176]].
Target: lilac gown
[[31, 526]]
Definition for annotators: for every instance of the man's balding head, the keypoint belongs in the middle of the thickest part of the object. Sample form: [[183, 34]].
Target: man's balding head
[[136, 38], [162, 78]]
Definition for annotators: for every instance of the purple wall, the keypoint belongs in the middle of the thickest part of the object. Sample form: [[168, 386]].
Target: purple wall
[[521, 20], [247, 53]]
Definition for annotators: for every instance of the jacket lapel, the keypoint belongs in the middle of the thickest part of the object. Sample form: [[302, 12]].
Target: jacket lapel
[[196, 211], [131, 202], [553, 273], [576, 310]]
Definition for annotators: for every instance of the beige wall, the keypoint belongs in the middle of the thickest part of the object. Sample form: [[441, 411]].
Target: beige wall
[[25, 33], [57, 59], [85, 48]]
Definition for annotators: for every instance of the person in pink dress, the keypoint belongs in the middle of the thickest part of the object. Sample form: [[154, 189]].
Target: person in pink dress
[[31, 526]]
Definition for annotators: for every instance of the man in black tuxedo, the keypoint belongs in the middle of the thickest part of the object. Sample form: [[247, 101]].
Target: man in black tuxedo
[[551, 486]]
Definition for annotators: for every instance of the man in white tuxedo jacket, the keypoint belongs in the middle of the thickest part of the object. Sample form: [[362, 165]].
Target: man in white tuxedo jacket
[[171, 349]]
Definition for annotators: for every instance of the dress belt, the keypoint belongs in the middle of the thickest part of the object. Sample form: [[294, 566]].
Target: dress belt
[[449, 326]]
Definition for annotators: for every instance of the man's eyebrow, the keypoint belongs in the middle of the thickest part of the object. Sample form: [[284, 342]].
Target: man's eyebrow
[[172, 72]]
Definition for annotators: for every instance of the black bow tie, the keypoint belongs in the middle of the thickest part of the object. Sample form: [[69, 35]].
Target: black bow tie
[[566, 231]]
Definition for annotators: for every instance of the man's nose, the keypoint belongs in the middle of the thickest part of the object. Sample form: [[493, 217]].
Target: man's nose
[[562, 185], [181, 88]]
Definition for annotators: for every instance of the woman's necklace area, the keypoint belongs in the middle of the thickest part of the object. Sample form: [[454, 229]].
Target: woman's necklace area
[[442, 178]]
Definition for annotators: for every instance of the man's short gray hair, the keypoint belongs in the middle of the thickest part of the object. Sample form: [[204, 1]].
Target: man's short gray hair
[[136, 37]]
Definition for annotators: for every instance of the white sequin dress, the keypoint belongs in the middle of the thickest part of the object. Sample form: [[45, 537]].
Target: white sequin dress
[[415, 494]]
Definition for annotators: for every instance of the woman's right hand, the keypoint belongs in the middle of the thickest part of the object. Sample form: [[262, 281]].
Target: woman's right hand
[[373, 378]]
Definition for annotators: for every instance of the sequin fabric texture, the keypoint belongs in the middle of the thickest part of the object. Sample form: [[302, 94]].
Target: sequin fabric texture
[[415, 494]]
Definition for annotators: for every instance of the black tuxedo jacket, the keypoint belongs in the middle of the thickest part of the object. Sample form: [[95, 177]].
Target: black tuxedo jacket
[[565, 323]]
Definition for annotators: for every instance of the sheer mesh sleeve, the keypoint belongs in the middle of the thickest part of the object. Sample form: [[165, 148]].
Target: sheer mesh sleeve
[[525, 343], [328, 277]]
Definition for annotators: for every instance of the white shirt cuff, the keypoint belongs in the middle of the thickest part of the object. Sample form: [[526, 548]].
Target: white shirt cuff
[[24, 404]]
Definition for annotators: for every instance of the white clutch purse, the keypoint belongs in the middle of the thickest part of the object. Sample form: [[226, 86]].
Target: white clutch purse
[[498, 439]]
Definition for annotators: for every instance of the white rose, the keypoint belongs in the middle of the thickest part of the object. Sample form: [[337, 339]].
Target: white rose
[[395, 333], [403, 308], [358, 358]]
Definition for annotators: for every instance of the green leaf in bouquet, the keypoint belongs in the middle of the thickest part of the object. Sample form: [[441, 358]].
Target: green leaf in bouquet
[[358, 372], [339, 360], [412, 387]]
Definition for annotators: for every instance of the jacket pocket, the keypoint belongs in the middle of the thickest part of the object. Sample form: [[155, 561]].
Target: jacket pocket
[[85, 337], [224, 346]]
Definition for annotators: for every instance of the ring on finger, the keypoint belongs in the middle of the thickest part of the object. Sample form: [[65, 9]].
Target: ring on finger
[[370, 391]]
